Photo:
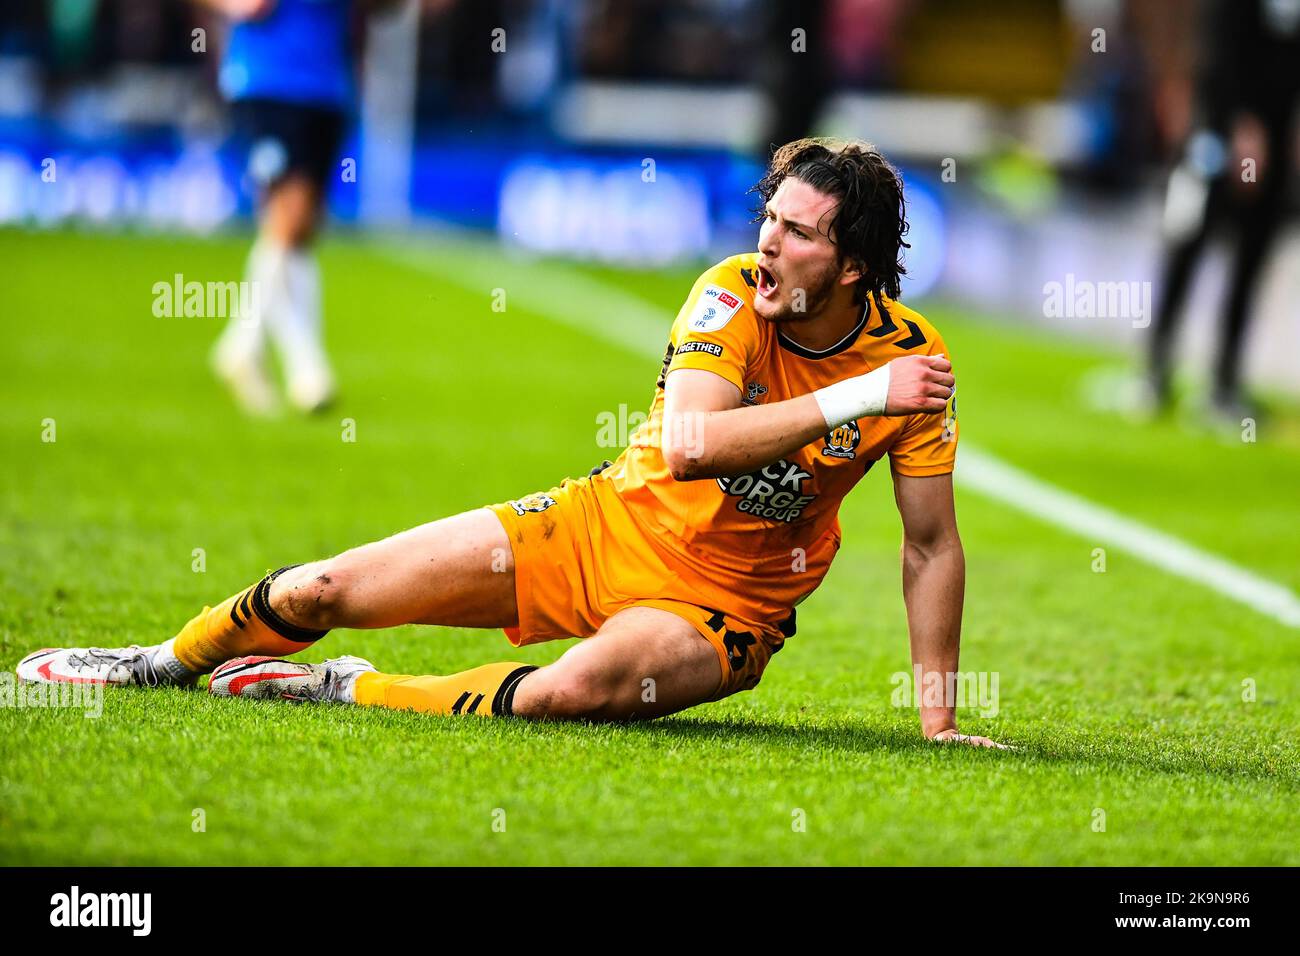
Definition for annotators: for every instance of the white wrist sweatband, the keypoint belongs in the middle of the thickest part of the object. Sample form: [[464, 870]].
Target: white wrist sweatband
[[852, 398]]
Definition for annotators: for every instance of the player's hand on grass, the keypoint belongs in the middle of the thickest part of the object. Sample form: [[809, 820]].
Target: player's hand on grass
[[953, 737], [919, 383]]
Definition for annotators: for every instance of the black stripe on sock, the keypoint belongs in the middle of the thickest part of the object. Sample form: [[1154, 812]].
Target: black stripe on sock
[[262, 608], [504, 702], [234, 615], [460, 702], [474, 706], [244, 607]]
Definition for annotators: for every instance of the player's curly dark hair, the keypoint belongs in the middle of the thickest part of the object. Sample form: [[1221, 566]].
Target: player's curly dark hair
[[870, 220]]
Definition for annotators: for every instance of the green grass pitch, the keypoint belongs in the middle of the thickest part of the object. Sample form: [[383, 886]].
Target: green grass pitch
[[1123, 689]]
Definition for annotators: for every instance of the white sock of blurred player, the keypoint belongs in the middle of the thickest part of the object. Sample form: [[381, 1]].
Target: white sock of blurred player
[[239, 357], [288, 312], [296, 330]]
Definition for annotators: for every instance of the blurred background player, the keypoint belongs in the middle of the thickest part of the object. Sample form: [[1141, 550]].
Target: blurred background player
[[287, 72], [1234, 172]]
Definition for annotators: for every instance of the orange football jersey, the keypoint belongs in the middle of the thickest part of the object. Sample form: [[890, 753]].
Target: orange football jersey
[[768, 537]]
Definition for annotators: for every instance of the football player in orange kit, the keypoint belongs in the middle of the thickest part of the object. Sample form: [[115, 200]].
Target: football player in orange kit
[[789, 372]]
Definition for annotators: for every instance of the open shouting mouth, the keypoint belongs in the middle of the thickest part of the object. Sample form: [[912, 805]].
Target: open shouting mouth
[[767, 282]]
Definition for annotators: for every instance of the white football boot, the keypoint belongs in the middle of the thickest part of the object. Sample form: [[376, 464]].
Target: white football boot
[[310, 383], [270, 678], [239, 361], [132, 666]]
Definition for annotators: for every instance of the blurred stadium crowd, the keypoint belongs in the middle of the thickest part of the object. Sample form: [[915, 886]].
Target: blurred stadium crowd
[[1037, 137]]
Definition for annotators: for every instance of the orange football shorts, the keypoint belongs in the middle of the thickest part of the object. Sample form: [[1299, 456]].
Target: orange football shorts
[[580, 558]]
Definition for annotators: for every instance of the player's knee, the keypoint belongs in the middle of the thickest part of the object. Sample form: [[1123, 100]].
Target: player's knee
[[570, 693], [313, 595]]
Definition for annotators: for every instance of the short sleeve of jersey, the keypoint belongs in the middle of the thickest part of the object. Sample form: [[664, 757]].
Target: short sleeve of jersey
[[716, 329], [927, 445]]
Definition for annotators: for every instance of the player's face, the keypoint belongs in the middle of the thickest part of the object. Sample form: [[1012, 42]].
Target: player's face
[[799, 268]]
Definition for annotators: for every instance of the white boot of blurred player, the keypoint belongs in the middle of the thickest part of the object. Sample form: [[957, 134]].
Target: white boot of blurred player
[[239, 357]]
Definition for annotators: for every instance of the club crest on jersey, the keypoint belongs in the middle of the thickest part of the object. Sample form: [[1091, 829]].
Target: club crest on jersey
[[842, 442], [714, 309], [534, 503], [753, 391]]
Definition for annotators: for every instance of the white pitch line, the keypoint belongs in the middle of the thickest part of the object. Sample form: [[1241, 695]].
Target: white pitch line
[[545, 287], [596, 308], [996, 479]]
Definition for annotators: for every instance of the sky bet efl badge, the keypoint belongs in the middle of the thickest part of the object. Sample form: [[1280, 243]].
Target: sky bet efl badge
[[714, 309]]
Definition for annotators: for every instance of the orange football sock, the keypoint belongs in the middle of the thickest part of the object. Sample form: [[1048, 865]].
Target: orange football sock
[[238, 626], [487, 691]]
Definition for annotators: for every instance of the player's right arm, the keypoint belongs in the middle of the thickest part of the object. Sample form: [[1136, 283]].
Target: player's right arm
[[708, 433], [716, 339]]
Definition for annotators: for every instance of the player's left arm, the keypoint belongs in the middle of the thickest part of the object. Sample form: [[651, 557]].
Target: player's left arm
[[934, 586], [921, 460]]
